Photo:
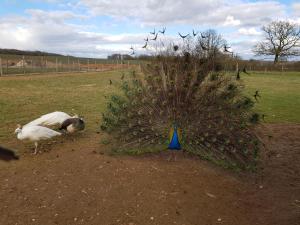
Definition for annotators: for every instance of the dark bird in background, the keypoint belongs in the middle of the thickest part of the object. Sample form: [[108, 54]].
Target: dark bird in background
[[203, 36], [110, 82], [175, 47], [226, 49], [7, 154], [183, 36], [132, 53], [163, 31], [195, 33], [73, 125], [122, 77], [238, 76], [245, 71], [153, 32], [145, 45], [154, 39], [256, 95]]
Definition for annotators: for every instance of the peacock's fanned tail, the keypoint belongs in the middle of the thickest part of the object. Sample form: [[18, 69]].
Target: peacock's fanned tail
[[208, 107]]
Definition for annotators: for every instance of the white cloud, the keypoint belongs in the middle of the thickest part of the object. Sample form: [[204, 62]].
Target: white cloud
[[296, 9], [59, 30], [249, 31], [230, 21], [42, 31], [213, 12], [54, 16], [244, 47]]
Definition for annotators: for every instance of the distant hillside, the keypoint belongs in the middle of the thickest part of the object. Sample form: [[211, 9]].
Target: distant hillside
[[31, 53]]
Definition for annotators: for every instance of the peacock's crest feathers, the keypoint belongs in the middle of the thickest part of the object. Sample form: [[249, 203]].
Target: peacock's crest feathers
[[213, 118]]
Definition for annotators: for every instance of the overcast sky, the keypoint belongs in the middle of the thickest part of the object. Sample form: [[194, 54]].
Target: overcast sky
[[97, 28]]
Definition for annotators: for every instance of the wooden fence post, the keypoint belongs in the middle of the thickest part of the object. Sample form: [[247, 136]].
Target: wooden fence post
[[88, 68], [46, 64], [41, 64], [78, 64], [23, 64], [1, 71], [56, 69], [68, 63]]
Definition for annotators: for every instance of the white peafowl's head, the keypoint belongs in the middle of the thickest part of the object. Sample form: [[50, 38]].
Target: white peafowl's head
[[19, 129]]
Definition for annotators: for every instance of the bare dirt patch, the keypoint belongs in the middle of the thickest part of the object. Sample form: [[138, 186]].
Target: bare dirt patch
[[77, 183]]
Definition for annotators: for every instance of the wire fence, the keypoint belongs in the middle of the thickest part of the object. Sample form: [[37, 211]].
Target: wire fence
[[231, 64], [24, 64], [20, 64]]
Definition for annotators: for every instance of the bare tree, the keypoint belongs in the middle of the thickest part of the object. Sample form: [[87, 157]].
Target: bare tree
[[210, 43], [281, 40]]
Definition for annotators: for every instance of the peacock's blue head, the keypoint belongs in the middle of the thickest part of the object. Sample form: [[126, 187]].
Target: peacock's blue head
[[175, 126]]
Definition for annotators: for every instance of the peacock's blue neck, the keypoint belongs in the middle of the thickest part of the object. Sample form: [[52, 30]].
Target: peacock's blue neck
[[174, 143]]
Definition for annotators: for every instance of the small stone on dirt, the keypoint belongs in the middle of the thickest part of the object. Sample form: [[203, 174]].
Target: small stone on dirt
[[210, 195]]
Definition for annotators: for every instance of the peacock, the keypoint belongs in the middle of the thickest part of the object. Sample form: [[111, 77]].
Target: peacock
[[181, 99], [73, 125], [51, 119], [35, 133]]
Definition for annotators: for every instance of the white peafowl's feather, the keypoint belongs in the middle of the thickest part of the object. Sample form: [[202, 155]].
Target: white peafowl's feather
[[35, 133], [50, 119]]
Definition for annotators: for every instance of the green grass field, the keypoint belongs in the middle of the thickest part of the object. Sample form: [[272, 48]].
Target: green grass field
[[25, 98], [280, 95]]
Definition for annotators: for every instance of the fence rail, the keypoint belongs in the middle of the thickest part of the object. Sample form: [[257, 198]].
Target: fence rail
[[16, 64]]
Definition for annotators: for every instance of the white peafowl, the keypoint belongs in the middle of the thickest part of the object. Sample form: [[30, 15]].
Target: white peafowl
[[51, 119], [35, 134], [73, 125]]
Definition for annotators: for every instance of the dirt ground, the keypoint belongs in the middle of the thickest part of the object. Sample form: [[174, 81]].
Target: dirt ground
[[77, 182]]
